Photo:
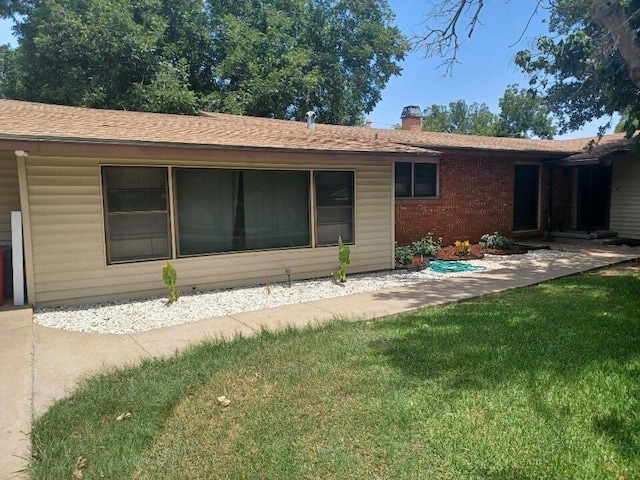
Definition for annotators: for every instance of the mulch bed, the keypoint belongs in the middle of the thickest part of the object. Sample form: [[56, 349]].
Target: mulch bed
[[476, 252]]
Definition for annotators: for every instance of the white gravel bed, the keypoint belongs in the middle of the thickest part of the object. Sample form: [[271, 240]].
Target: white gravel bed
[[129, 316]]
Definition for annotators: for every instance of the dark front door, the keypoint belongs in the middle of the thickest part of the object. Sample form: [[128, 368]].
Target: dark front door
[[526, 194], [594, 193]]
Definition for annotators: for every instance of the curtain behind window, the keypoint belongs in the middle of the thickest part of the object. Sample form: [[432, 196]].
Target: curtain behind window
[[234, 210], [205, 200], [276, 209]]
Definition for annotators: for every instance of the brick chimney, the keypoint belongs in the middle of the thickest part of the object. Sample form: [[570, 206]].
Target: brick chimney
[[411, 118]]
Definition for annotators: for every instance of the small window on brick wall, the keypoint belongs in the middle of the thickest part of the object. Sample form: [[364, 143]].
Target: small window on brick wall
[[419, 180]]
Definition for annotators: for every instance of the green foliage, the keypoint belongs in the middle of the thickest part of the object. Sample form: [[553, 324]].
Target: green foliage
[[403, 254], [170, 278], [459, 117], [427, 246], [344, 258], [522, 114], [495, 240], [11, 78], [578, 69], [268, 58], [168, 92], [286, 58]]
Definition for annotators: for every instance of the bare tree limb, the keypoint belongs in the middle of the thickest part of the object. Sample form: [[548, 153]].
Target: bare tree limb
[[441, 27], [526, 27]]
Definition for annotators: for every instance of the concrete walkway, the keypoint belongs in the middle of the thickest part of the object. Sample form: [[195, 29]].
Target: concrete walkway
[[40, 365]]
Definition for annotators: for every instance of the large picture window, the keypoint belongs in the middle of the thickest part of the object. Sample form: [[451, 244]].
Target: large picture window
[[217, 210], [334, 207], [136, 210], [233, 210], [415, 179]]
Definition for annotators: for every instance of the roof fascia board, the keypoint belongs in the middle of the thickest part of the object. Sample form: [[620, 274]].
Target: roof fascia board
[[540, 155], [13, 142]]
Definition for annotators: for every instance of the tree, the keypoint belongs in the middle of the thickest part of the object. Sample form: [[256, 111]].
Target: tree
[[92, 54], [267, 58], [460, 117], [522, 115], [587, 68], [579, 69], [286, 57]]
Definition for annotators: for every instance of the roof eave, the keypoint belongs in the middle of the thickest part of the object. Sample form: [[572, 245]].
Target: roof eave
[[505, 151], [204, 146]]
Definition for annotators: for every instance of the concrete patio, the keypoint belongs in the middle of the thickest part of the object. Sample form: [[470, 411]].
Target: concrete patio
[[39, 365]]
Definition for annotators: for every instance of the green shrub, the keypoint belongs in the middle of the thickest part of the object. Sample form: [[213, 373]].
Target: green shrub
[[496, 240], [404, 255], [170, 278], [427, 246], [344, 254]]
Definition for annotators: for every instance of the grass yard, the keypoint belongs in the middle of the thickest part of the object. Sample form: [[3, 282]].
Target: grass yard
[[537, 383]]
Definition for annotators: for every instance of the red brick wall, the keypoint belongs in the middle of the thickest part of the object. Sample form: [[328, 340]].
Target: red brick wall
[[476, 197]]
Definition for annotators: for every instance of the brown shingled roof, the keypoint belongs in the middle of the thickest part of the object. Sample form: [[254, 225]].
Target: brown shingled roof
[[598, 150], [437, 140], [27, 120]]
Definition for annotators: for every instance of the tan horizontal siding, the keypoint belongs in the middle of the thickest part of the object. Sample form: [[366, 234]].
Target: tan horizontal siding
[[625, 198], [68, 236], [9, 194]]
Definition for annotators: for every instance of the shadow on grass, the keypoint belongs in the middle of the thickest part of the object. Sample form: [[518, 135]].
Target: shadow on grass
[[621, 429], [553, 332]]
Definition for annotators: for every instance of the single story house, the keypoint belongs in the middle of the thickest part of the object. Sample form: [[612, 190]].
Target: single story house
[[519, 187], [107, 197]]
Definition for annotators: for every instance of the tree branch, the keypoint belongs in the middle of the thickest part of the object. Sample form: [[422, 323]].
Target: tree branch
[[441, 26], [610, 15]]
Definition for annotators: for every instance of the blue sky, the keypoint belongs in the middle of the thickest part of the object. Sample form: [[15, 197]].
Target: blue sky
[[486, 66], [486, 61]]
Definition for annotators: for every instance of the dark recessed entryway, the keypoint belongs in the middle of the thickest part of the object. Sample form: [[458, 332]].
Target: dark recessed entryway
[[526, 195], [594, 196]]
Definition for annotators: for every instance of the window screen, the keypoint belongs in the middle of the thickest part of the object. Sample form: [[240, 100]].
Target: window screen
[[136, 209], [233, 210], [334, 206]]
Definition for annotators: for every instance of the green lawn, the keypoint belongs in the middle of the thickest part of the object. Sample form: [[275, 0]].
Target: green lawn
[[537, 383]]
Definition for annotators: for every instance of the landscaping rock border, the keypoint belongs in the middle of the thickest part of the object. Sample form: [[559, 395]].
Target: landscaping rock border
[[124, 317]]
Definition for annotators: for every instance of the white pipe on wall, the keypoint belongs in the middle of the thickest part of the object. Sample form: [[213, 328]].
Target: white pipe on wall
[[17, 258]]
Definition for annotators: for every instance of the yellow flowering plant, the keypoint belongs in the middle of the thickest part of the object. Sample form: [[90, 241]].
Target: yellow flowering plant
[[462, 248]]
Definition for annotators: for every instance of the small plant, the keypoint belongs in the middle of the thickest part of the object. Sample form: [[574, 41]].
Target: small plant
[[404, 254], [266, 285], [427, 246], [496, 240], [462, 248], [344, 258], [170, 278]]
